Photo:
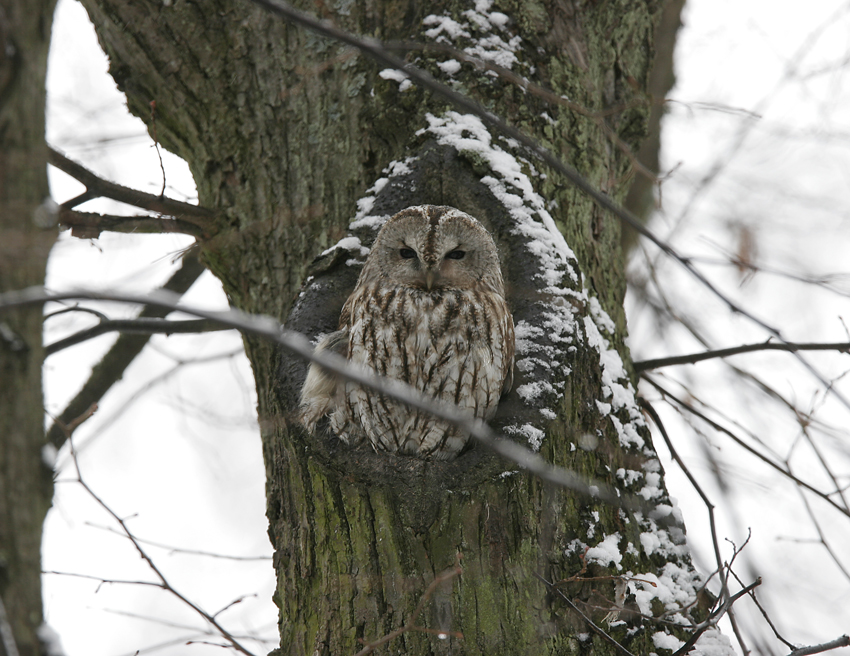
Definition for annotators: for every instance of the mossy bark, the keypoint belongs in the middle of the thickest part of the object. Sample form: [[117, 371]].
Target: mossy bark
[[284, 132], [26, 484]]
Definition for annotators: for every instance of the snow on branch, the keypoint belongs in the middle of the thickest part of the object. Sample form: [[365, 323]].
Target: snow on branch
[[792, 347]]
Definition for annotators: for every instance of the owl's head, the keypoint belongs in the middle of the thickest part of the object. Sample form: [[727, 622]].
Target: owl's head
[[432, 248]]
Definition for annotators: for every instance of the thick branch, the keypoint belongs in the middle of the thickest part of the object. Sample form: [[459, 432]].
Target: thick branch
[[141, 326], [111, 368], [792, 347], [843, 641], [88, 225], [98, 187]]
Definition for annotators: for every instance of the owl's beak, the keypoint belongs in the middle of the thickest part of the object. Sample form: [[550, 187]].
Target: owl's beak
[[431, 278]]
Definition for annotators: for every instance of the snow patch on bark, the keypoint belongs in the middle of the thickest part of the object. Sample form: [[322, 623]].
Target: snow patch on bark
[[396, 75], [712, 643], [480, 32], [364, 217]]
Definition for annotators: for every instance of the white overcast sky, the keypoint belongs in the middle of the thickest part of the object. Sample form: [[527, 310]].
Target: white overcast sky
[[175, 447]]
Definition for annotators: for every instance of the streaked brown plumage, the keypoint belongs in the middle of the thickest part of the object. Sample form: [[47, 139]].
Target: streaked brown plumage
[[429, 309]]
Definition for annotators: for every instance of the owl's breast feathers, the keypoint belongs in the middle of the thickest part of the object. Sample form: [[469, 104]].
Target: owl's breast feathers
[[453, 345]]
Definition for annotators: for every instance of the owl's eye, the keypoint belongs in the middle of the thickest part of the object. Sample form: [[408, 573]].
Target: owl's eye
[[407, 253], [455, 255]]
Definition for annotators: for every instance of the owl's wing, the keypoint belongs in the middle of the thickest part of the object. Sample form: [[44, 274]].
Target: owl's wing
[[510, 350], [509, 379], [319, 392]]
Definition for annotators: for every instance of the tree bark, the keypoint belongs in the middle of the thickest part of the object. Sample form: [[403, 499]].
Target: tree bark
[[26, 485], [285, 132]]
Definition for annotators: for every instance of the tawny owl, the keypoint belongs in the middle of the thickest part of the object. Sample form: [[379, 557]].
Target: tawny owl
[[428, 309]]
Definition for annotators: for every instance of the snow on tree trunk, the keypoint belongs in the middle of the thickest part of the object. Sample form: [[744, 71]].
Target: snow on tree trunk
[[305, 148]]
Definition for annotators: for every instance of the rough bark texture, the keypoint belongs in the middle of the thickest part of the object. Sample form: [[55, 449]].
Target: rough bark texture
[[26, 485], [284, 132]]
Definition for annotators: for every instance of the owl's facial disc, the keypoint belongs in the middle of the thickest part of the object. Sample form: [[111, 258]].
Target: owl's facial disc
[[434, 252]]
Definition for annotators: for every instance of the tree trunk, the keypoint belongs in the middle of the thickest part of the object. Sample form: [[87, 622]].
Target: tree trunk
[[285, 132], [26, 484]]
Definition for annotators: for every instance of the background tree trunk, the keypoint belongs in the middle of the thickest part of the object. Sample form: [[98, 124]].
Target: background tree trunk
[[26, 485], [284, 132], [641, 199]]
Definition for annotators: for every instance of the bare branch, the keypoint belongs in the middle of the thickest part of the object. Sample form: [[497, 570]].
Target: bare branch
[[709, 506], [299, 345], [112, 366], [163, 582], [793, 347], [686, 406], [764, 613], [821, 535], [97, 187], [141, 326], [714, 618], [89, 225], [843, 641]]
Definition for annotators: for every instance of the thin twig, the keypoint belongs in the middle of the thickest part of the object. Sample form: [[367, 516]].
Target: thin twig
[[821, 534], [91, 577], [714, 618], [643, 365], [156, 145], [447, 575], [141, 326], [163, 582], [686, 406], [76, 308], [764, 613], [595, 627], [709, 506], [178, 550]]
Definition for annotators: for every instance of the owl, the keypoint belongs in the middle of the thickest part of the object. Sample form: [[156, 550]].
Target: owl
[[428, 309]]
